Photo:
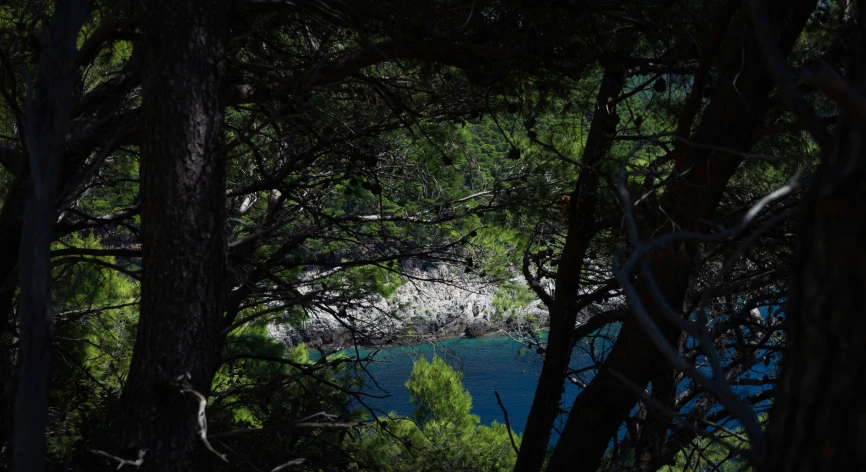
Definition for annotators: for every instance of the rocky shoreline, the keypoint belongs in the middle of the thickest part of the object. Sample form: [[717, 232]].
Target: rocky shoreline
[[436, 303]]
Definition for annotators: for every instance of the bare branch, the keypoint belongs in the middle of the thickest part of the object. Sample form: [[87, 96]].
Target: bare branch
[[661, 407], [507, 423], [291, 463], [87, 221], [718, 385], [202, 418], [441, 51], [849, 98], [106, 31], [597, 322], [692, 104], [121, 461], [533, 281], [302, 423], [82, 251]]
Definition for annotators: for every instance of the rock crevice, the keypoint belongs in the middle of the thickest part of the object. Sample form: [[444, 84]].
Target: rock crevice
[[436, 302]]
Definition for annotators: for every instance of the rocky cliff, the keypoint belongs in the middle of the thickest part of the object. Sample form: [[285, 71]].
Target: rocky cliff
[[433, 303]]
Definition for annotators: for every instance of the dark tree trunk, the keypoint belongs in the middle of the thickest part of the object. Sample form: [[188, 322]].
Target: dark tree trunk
[[563, 315], [183, 229], [818, 422], [729, 121], [651, 442], [49, 108], [602, 407], [11, 224]]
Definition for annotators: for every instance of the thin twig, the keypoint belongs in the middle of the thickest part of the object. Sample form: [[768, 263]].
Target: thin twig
[[291, 463], [718, 385], [202, 418], [121, 461], [507, 423], [662, 408]]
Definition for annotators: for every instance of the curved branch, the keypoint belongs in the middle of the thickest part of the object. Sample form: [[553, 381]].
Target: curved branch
[[440, 51], [68, 226]]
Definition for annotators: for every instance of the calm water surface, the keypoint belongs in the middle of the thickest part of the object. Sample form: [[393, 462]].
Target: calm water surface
[[492, 363]]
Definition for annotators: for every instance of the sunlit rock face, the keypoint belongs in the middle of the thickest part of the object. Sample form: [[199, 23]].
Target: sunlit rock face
[[435, 302]]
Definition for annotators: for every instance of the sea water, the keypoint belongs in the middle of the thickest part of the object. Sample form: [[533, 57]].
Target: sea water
[[495, 363]]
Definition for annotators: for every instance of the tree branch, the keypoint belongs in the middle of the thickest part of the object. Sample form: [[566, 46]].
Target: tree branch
[[441, 51], [10, 158]]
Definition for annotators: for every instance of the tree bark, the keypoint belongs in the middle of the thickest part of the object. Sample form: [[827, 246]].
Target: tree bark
[[183, 179], [49, 108], [11, 224], [651, 442], [563, 314], [729, 121], [818, 422]]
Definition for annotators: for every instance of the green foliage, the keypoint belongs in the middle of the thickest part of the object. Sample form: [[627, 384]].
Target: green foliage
[[511, 300], [498, 250], [96, 316], [436, 390], [377, 169], [706, 454], [442, 434], [260, 385], [95, 326], [372, 280]]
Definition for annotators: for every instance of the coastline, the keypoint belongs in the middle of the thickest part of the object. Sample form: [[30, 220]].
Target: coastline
[[436, 303]]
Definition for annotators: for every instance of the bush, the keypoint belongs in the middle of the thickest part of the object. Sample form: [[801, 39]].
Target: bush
[[442, 433]]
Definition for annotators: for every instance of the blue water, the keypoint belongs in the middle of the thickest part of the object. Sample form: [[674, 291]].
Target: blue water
[[491, 363]]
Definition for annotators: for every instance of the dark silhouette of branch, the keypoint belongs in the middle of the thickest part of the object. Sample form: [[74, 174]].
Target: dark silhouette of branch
[[507, 423], [440, 51], [10, 158], [76, 251], [693, 102], [784, 79]]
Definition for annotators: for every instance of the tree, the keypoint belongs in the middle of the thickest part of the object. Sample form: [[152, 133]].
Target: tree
[[704, 165], [442, 433], [49, 107], [566, 306], [816, 422], [183, 231], [287, 160], [138, 63]]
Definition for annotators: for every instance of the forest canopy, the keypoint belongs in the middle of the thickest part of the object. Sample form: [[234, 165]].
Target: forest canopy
[[678, 184]]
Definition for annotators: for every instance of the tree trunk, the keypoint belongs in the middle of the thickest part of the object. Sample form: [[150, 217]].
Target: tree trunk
[[11, 224], [601, 408], [563, 315], [183, 179], [729, 121], [11, 227], [49, 108], [818, 422], [651, 442]]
